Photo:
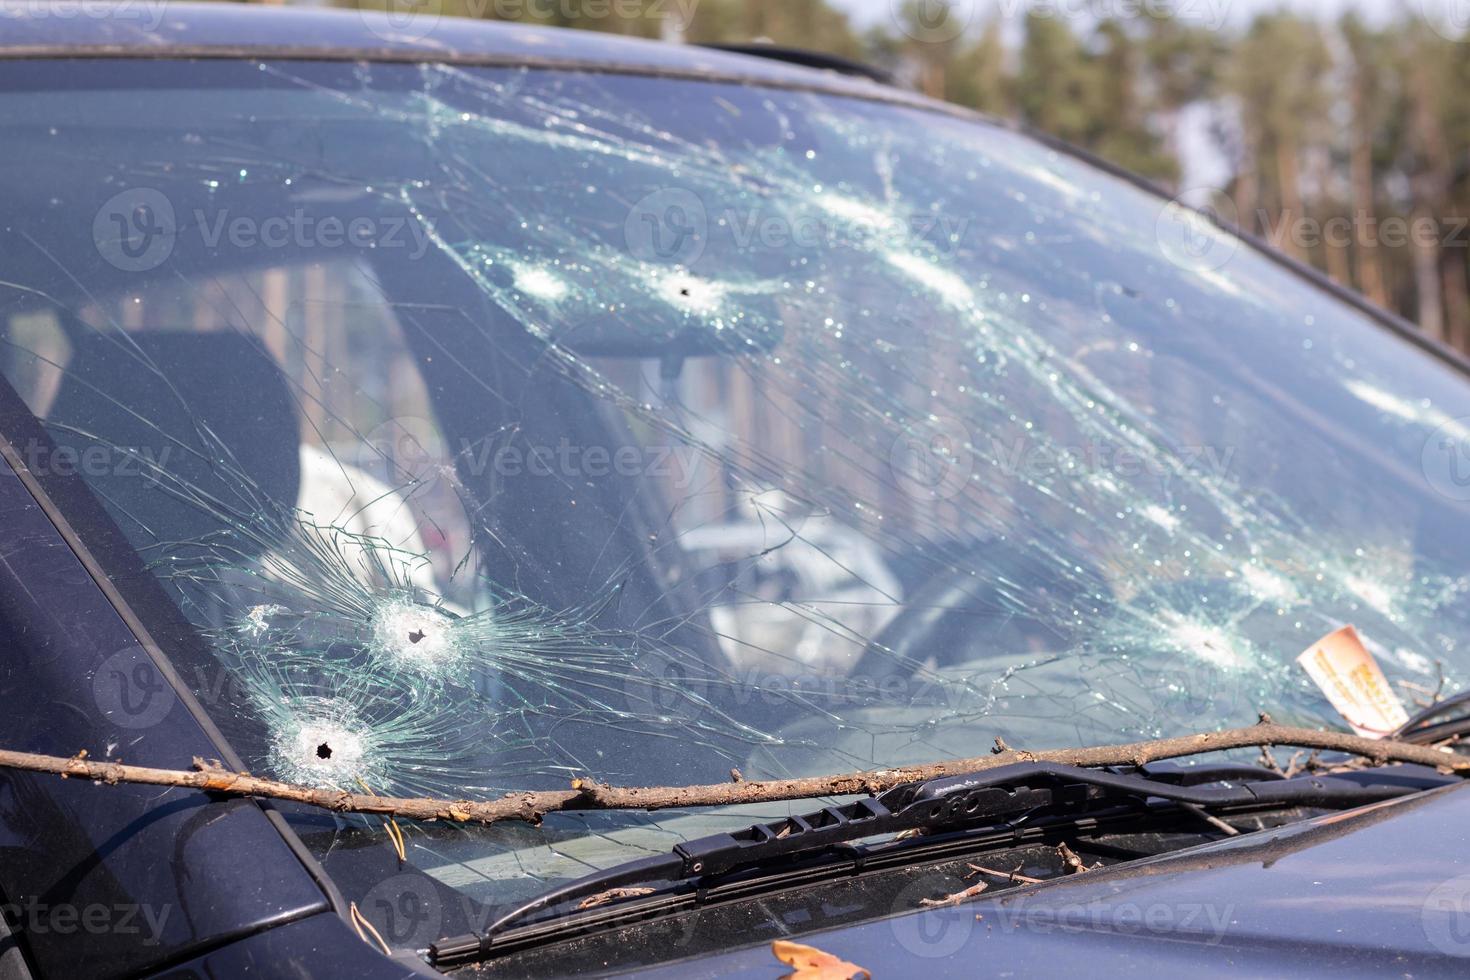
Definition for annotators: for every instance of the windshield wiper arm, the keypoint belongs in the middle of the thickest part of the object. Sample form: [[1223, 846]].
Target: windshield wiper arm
[[950, 803]]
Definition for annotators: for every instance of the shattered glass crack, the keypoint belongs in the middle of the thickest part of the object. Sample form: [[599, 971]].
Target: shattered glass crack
[[643, 430]]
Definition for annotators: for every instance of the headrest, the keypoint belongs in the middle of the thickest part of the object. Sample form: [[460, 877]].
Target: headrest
[[188, 432]]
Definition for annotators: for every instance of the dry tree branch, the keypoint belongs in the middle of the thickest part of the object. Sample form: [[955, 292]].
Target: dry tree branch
[[586, 794]]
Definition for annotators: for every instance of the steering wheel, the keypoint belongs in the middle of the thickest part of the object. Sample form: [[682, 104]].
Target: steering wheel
[[991, 602]]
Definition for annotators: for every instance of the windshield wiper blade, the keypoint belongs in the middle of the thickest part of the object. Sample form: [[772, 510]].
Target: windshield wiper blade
[[950, 803], [1424, 728]]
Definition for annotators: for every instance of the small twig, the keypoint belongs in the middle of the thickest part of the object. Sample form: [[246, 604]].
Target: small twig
[[390, 825], [956, 898], [1015, 877], [1070, 860], [1210, 819], [1422, 696], [587, 794]]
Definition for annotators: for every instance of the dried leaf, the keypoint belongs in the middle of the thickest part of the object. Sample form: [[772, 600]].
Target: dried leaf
[[813, 964]]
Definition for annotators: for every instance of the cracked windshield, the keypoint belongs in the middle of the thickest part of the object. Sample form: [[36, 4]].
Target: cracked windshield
[[464, 431]]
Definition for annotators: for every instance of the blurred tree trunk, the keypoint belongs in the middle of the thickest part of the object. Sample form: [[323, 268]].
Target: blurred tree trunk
[[1289, 189], [1426, 275], [1276, 74], [1364, 49], [1368, 262], [1247, 186], [1457, 300], [1430, 185]]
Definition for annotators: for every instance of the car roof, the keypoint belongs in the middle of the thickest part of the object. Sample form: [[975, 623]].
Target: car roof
[[165, 29]]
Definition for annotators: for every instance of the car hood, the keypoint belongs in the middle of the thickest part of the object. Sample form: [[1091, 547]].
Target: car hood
[[1378, 889]]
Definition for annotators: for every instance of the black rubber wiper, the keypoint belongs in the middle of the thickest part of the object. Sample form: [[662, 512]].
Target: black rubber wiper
[[953, 803], [1429, 725]]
